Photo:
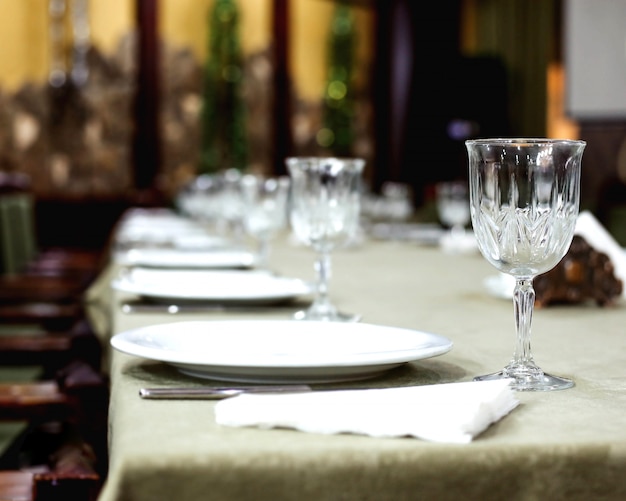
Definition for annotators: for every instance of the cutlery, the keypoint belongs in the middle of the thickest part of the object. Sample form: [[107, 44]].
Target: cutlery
[[208, 393]]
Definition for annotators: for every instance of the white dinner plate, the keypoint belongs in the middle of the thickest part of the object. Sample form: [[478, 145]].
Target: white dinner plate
[[223, 286], [176, 258], [280, 351]]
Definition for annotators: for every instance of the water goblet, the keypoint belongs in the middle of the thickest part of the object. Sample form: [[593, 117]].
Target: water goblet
[[200, 200], [453, 209], [231, 204], [265, 203], [524, 202], [324, 215]]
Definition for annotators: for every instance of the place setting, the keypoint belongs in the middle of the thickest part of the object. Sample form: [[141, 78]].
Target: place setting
[[173, 240], [524, 205], [279, 374], [208, 237], [270, 373], [316, 215], [316, 345], [324, 214], [162, 229], [193, 278]]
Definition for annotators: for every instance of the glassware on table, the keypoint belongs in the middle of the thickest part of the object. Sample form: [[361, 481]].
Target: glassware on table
[[324, 214], [199, 200], [453, 209], [524, 200], [265, 202], [397, 201], [231, 204]]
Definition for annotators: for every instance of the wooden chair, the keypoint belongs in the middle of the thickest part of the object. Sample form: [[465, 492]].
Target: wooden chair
[[27, 287], [63, 455], [50, 316], [78, 394], [68, 473], [52, 350], [70, 392], [16, 485], [19, 251], [41, 286]]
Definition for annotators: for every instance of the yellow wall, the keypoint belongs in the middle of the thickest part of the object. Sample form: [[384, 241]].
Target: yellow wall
[[184, 22], [110, 20], [310, 21], [24, 51], [24, 48]]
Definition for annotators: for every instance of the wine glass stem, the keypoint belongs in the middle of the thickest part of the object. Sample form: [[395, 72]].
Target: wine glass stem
[[323, 269], [264, 252], [523, 303], [457, 231]]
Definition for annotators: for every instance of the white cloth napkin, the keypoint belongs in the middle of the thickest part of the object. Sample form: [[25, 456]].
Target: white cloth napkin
[[451, 412], [596, 235]]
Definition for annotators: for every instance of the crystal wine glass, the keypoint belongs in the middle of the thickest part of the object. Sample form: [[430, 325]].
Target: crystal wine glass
[[453, 209], [324, 214], [265, 209], [524, 201], [231, 203]]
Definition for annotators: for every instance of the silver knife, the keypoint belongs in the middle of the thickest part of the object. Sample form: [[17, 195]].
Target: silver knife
[[209, 393]]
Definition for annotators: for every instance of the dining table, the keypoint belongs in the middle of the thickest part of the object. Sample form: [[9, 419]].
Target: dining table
[[555, 445]]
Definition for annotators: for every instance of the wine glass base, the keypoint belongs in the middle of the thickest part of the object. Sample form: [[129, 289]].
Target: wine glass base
[[530, 381], [326, 316]]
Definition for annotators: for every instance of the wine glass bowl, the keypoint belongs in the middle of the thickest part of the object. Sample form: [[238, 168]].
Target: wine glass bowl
[[265, 204], [453, 203], [524, 202], [453, 209], [324, 215]]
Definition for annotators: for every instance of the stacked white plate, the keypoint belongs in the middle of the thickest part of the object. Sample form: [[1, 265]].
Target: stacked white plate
[[220, 286]]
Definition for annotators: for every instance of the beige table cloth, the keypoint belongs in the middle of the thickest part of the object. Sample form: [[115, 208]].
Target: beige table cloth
[[564, 445]]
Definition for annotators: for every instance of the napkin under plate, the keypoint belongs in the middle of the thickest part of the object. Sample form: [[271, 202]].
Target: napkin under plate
[[450, 412]]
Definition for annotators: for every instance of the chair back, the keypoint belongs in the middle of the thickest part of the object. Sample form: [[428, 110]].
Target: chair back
[[18, 244]]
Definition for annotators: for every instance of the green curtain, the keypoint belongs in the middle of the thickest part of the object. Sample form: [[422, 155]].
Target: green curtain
[[522, 34], [224, 138], [337, 134]]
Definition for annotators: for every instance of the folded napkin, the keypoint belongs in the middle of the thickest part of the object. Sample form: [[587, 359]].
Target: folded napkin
[[451, 412], [596, 235]]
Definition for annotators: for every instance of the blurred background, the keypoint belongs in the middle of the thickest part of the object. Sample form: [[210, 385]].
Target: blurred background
[[107, 104]]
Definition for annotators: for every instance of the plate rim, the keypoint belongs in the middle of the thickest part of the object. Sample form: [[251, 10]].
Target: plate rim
[[121, 343], [298, 287], [240, 258]]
